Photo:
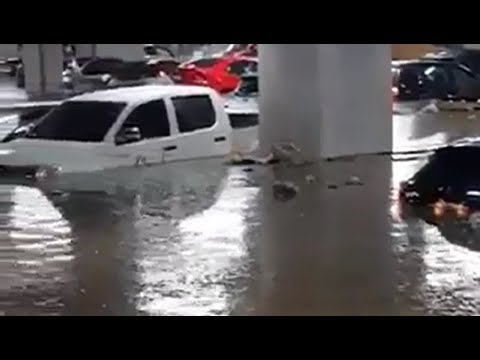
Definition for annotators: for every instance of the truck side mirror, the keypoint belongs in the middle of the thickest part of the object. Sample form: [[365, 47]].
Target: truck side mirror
[[128, 135]]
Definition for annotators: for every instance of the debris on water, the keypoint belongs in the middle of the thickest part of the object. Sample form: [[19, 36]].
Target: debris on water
[[96, 252], [332, 186], [288, 152], [241, 160], [247, 170], [472, 117], [104, 306], [284, 191], [82, 291], [310, 179], [354, 181], [281, 152]]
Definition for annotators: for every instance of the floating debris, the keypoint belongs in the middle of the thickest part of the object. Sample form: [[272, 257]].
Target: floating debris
[[354, 181], [310, 179], [332, 186], [288, 152], [284, 191], [472, 117], [282, 152], [247, 170], [242, 160]]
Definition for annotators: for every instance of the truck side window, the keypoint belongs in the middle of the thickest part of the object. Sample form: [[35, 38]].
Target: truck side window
[[151, 118], [194, 113]]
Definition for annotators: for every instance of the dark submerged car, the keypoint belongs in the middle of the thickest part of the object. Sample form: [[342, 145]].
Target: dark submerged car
[[428, 79], [448, 184]]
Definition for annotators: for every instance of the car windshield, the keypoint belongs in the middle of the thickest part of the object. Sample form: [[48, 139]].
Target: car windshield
[[248, 86], [84, 121]]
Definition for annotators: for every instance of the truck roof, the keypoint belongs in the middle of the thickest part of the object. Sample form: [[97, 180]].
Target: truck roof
[[142, 93]]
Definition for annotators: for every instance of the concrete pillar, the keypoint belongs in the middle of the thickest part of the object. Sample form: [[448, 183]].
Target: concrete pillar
[[8, 50], [85, 50], [43, 68], [329, 99]]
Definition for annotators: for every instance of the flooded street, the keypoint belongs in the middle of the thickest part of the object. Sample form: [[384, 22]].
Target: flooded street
[[204, 238]]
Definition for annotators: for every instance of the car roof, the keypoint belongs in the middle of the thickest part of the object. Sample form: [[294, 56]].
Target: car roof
[[144, 93]]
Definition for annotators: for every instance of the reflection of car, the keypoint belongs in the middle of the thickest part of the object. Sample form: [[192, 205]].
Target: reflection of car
[[424, 79], [122, 127], [449, 183], [220, 73]]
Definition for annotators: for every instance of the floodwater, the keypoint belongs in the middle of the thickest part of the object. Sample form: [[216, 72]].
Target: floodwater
[[203, 238]]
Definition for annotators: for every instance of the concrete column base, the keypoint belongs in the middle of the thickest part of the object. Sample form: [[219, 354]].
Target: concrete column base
[[330, 100]]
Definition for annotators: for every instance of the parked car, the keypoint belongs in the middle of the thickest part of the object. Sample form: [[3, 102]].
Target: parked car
[[220, 73], [155, 51], [122, 127], [9, 66], [426, 79], [246, 94], [89, 74], [448, 184], [168, 67]]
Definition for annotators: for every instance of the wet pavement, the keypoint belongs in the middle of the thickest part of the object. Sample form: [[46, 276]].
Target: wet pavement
[[203, 238]]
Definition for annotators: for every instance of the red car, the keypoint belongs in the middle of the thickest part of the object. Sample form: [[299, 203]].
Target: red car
[[220, 73]]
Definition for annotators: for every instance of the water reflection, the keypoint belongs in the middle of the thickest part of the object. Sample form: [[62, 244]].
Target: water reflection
[[193, 271], [36, 251], [438, 263]]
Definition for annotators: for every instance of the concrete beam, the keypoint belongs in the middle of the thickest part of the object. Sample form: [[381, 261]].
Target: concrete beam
[[85, 50], [129, 52], [330, 100]]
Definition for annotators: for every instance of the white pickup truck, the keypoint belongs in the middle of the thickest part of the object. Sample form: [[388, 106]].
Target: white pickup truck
[[122, 128]]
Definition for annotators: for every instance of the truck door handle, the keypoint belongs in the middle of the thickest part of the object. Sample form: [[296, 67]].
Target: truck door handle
[[220, 139], [170, 148]]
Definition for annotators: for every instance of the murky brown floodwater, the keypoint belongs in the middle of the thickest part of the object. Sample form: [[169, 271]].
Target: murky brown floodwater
[[202, 238]]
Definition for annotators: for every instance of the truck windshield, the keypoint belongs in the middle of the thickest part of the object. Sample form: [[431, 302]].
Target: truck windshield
[[84, 121]]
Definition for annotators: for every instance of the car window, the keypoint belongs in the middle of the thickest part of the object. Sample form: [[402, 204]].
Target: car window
[[437, 75], [462, 77], [248, 86], [242, 66], [194, 113], [151, 119], [85, 121]]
